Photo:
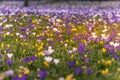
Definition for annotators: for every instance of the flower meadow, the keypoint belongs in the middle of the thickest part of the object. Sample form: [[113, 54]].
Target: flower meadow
[[59, 43]]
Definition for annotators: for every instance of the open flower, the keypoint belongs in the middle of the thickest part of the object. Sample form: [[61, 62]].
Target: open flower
[[89, 71], [78, 70], [42, 74], [71, 64], [49, 51], [9, 72], [56, 61], [9, 62], [9, 55], [48, 59]]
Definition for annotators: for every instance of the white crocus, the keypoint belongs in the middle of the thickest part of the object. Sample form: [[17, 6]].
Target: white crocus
[[74, 49], [118, 34], [94, 35], [55, 29], [104, 36], [65, 45], [9, 55], [58, 20], [21, 36], [116, 44], [61, 78], [34, 33], [111, 43], [8, 33], [70, 51], [50, 50], [17, 34], [56, 61], [105, 30], [48, 59], [47, 27], [8, 25], [1, 24]]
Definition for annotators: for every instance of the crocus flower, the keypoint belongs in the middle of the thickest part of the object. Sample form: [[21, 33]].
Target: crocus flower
[[9, 72], [89, 71], [81, 48], [32, 58], [56, 61], [61, 78], [9, 55], [49, 51], [43, 74], [9, 62], [24, 77], [71, 64], [78, 70], [48, 59]]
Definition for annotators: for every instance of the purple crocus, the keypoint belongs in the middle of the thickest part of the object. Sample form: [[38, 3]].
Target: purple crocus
[[89, 71], [118, 47], [115, 56], [90, 51], [71, 64], [8, 50], [86, 59], [23, 29], [43, 74], [9, 62], [81, 48], [24, 77], [78, 70], [0, 56], [32, 58], [42, 37]]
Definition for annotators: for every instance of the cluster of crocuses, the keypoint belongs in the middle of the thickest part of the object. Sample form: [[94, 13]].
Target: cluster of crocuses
[[65, 44]]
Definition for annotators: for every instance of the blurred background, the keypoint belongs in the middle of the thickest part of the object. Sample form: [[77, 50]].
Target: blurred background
[[66, 2]]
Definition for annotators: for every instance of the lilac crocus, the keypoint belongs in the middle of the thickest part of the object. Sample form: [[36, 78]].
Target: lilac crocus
[[10, 72]]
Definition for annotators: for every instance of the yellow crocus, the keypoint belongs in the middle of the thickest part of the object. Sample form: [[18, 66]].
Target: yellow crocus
[[11, 35], [26, 71], [72, 56], [2, 45], [46, 64], [16, 40], [20, 75], [85, 55], [77, 62], [108, 62], [69, 77], [73, 29], [103, 50], [101, 42], [105, 72], [8, 46], [40, 53], [113, 59]]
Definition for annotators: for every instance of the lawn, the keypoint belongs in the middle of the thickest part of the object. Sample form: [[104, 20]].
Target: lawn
[[59, 43]]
